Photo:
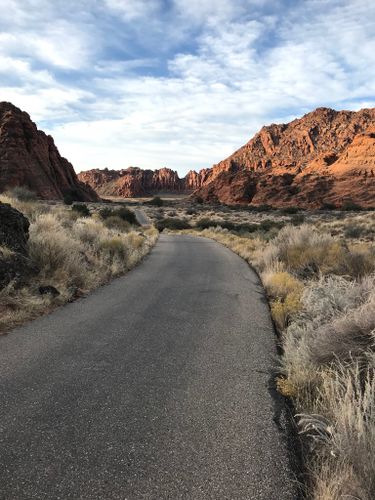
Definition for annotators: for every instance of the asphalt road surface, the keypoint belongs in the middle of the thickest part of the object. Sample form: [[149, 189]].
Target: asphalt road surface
[[156, 386], [141, 217]]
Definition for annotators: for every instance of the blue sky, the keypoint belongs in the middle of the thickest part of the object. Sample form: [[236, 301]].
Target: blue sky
[[180, 83]]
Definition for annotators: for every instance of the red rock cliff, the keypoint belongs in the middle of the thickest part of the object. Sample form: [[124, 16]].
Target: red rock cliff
[[326, 156], [29, 157], [137, 182]]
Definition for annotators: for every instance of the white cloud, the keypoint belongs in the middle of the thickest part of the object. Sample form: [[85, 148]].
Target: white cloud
[[239, 65]]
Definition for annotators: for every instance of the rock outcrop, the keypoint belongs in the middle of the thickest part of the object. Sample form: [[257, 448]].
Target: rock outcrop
[[14, 233], [324, 157], [29, 157], [137, 182]]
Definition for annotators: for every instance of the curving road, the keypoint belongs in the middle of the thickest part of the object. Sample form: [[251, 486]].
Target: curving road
[[156, 386], [141, 217]]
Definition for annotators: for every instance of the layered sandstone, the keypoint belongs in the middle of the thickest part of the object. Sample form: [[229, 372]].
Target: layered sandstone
[[29, 158], [134, 181], [324, 157]]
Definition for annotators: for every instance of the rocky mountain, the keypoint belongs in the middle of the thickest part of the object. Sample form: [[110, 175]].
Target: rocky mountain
[[137, 182], [29, 157], [326, 156]]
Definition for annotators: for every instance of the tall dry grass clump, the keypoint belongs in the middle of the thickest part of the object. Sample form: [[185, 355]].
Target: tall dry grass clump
[[73, 254]]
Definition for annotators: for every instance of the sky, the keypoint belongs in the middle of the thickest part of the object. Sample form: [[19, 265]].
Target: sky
[[180, 83]]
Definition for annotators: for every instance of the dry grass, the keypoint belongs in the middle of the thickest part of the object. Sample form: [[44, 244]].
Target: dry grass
[[74, 255]]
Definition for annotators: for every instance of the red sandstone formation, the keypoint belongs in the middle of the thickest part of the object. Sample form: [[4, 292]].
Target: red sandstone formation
[[137, 182], [324, 157], [29, 157]]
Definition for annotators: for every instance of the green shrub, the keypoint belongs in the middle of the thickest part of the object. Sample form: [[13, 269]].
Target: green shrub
[[122, 213], [173, 224], [81, 209]]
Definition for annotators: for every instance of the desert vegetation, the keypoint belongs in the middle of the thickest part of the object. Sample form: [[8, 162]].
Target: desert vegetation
[[71, 250], [319, 275]]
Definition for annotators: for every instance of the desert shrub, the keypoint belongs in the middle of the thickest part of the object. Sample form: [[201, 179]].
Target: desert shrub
[[156, 201], [81, 209], [263, 208], [87, 230], [172, 224], [346, 337], [328, 206], [290, 210], [350, 206], [56, 253], [114, 248], [285, 292], [297, 219], [205, 223], [281, 284], [334, 322], [22, 193], [305, 252], [116, 223], [268, 224], [68, 199], [122, 213], [343, 428], [353, 231]]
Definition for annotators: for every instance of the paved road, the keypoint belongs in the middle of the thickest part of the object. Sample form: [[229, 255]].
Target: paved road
[[156, 386], [141, 217]]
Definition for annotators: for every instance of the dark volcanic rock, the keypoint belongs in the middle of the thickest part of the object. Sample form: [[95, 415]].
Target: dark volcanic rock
[[29, 157], [14, 229], [14, 233]]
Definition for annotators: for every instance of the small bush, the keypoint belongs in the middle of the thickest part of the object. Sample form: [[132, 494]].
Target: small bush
[[113, 248], [264, 208], [116, 223], [205, 223], [353, 231], [156, 201], [81, 209], [173, 224], [297, 219], [68, 199], [350, 206], [328, 206], [122, 213], [290, 210], [22, 193]]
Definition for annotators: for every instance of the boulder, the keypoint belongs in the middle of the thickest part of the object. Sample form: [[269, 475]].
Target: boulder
[[15, 264]]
